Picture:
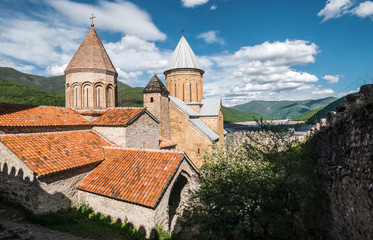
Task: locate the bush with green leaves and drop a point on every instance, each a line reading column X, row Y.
column 259, row 186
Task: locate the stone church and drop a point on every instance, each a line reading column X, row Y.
column 134, row 164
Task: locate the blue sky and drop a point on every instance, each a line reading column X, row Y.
column 249, row 49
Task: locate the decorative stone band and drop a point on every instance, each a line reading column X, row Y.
column 92, row 70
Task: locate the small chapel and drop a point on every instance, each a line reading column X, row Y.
column 132, row 164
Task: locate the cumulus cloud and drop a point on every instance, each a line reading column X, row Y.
column 213, row 7
column 334, row 9
column 264, row 72
column 365, row 9
column 55, row 70
column 134, row 54
column 119, row 16
column 332, row 78
column 211, row 37
column 193, row 3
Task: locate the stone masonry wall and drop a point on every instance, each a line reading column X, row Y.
column 115, row 135
column 143, row 133
column 188, row 138
column 345, row 156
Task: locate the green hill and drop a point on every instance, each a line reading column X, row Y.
column 233, row 115
column 322, row 113
column 283, row 109
column 307, row 115
column 11, row 92
column 127, row 96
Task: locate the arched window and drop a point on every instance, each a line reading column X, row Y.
column 86, row 94
column 151, row 99
column 108, row 97
column 98, row 97
column 76, row 96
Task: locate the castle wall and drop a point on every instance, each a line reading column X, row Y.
column 39, row 195
column 216, row 123
column 143, row 133
column 345, row 157
column 188, row 138
column 185, row 84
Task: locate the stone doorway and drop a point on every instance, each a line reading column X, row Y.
column 179, row 195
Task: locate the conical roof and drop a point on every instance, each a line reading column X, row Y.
column 91, row 55
column 183, row 57
column 155, row 86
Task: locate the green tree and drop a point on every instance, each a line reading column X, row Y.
column 259, row 186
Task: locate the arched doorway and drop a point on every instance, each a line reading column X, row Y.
column 178, row 196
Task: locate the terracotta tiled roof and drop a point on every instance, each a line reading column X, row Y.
column 165, row 143
column 91, row 56
column 155, row 86
column 47, row 153
column 118, row 116
column 20, row 115
column 136, row 176
column 91, row 112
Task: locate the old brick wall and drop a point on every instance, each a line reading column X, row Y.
column 159, row 108
column 345, row 157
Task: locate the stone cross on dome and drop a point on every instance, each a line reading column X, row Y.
column 92, row 25
column 182, row 32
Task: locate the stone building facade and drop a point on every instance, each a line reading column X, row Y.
column 92, row 152
column 186, row 117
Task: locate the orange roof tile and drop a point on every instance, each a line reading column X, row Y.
column 46, row 153
column 165, row 143
column 91, row 55
column 136, row 176
column 20, row 115
column 118, row 116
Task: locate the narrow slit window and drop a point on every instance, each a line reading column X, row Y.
column 76, row 96
column 98, row 97
column 151, row 99
column 87, row 94
column 108, row 97
column 175, row 90
column 190, row 91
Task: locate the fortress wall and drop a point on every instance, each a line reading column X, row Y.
column 345, row 156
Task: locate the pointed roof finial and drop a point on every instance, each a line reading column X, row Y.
column 182, row 32
column 92, row 25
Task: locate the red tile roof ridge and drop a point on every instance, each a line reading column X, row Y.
column 146, row 149
column 39, row 133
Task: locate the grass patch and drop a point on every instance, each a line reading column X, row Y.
column 83, row 222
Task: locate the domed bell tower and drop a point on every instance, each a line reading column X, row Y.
column 184, row 74
column 91, row 79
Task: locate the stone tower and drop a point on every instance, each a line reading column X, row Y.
column 91, row 79
column 184, row 74
column 156, row 101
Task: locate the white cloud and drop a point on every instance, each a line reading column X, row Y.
column 365, row 9
column 332, row 78
column 213, row 7
column 55, row 70
column 119, row 16
column 263, row 72
column 211, row 37
column 334, row 9
column 133, row 54
column 193, row 3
